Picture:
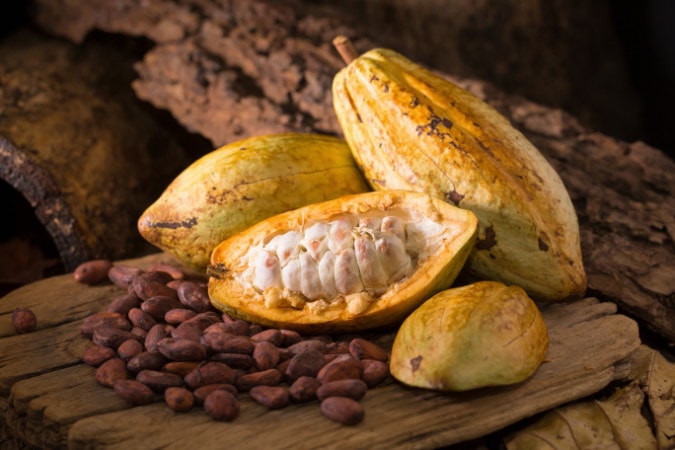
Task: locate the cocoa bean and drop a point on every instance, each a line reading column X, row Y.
column 290, row 337
column 152, row 284
column 234, row 360
column 343, row 410
column 374, row 371
column 304, row 389
column 269, row 377
column 122, row 276
column 133, row 392
column 148, row 360
column 307, row 363
column 140, row 333
column 351, row 388
column 141, row 319
column 123, row 304
column 156, row 334
column 174, row 272
column 111, row 337
column 265, row 355
column 180, row 368
column 110, row 371
column 23, row 320
column 272, row 397
column 129, row 349
column 209, row 373
column 307, row 344
column 220, row 327
column 363, row 349
column 342, row 367
column 158, row 305
column 92, row 272
column 337, row 348
column 240, row 327
column 96, row 355
column 187, row 330
column 181, row 349
column 178, row 315
column 101, row 320
column 205, row 319
column 223, row 343
column 203, row 391
column 194, row 296
column 254, row 328
column 222, row 406
column 274, row 336
column 158, row 381
column 179, row 399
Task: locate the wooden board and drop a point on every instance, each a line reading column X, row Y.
column 49, row 398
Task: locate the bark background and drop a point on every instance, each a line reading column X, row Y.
column 225, row 70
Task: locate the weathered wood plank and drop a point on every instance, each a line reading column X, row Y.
column 51, row 400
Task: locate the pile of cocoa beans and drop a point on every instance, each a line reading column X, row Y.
column 162, row 339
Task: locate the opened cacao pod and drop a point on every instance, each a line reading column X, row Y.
column 411, row 129
column 241, row 183
column 353, row 263
column 478, row 335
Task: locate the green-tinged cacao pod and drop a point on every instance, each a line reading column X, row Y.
column 244, row 182
column 353, row 263
column 478, row 335
column 411, row 129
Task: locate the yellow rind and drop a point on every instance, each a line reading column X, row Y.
column 241, row 183
column 433, row 273
column 411, row 129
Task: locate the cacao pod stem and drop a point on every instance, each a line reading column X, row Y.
column 345, row 48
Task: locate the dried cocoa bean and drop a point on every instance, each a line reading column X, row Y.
column 343, row 410
column 265, row 355
column 92, row 272
column 307, row 363
column 363, row 349
column 111, row 337
column 337, row 348
column 307, row 344
column 180, row 368
column 181, row 349
column 133, row 392
column 205, row 319
column 122, row 276
column 342, row 367
column 274, row 336
column 222, row 405
column 194, row 296
column 140, row 333
column 304, row 389
column 290, row 337
column 152, row 284
column 110, row 371
column 240, row 327
column 179, row 399
column 96, row 355
column 174, row 272
column 123, row 304
column 101, row 320
column 159, row 381
column 23, row 320
column 220, row 327
column 187, row 330
column 351, row 388
column 141, row 319
column 156, row 334
column 203, row 391
column 234, row 360
column 224, row 343
column 210, row 373
column 272, row 397
column 129, row 348
column 158, row 305
column 374, row 371
column 270, row 377
column 178, row 315
column 148, row 360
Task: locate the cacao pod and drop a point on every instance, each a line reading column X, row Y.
column 353, row 263
column 241, row 183
column 411, row 129
column 478, row 335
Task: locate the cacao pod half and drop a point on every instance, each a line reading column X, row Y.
column 241, row 183
column 353, row 263
column 411, row 129
column 478, row 335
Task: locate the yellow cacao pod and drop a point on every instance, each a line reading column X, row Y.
column 241, row 183
column 353, row 263
column 411, row 129
column 478, row 335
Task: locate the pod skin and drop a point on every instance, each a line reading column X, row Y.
column 411, row 129
column 440, row 234
column 474, row 336
column 239, row 184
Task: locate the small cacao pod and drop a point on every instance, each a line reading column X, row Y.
column 409, row 128
column 243, row 182
column 356, row 262
column 478, row 335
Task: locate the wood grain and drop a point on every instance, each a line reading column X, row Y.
column 49, row 399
